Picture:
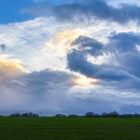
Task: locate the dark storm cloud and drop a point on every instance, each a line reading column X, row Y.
column 99, row 9
column 124, row 46
column 45, row 90
column 77, row 62
column 2, row 48
column 126, row 56
column 86, row 10
column 40, row 82
column 124, row 42
column 83, row 42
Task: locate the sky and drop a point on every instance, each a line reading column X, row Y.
column 70, row 57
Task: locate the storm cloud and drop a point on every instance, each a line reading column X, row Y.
column 81, row 10
column 122, row 65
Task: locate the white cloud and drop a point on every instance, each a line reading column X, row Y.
column 116, row 3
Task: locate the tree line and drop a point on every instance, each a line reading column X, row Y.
column 113, row 114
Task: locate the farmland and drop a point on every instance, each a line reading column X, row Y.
column 80, row 128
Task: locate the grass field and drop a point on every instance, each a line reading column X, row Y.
column 69, row 128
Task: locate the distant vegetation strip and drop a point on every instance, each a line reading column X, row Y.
column 113, row 114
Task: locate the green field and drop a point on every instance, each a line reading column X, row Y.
column 69, row 128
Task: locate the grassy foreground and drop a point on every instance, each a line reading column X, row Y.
column 69, row 128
